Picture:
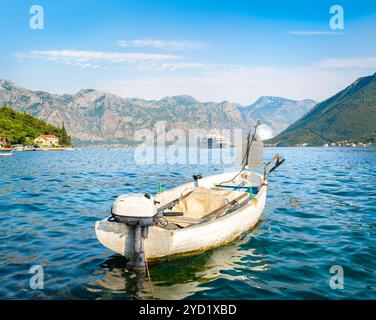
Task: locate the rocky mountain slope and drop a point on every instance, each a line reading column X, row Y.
column 278, row 112
column 95, row 116
column 348, row 115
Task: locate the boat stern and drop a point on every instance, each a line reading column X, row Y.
column 117, row 237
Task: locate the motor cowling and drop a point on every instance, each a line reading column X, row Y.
column 137, row 211
column 133, row 209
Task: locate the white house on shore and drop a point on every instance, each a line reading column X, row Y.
column 48, row 141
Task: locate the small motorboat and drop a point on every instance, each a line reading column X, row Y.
column 189, row 219
column 6, row 152
column 215, row 141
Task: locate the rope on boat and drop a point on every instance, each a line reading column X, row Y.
column 149, row 278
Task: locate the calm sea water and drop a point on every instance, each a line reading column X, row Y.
column 320, row 212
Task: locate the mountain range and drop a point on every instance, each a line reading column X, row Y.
column 92, row 116
column 349, row 115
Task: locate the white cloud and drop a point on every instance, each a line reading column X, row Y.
column 315, row 33
column 98, row 59
column 94, row 58
column 210, row 82
column 171, row 66
column 162, row 44
column 363, row 63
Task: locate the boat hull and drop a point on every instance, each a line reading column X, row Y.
column 163, row 243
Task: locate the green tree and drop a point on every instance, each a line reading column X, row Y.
column 22, row 128
column 65, row 138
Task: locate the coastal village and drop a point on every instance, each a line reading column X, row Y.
column 22, row 132
column 346, row 143
column 47, row 142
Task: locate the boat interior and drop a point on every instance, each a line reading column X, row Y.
column 203, row 204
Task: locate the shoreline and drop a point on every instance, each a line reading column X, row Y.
column 43, row 149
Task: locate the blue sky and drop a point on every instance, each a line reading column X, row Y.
column 212, row 50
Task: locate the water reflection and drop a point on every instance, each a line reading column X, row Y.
column 180, row 278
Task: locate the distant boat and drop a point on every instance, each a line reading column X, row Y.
column 6, row 152
column 18, row 147
column 215, row 141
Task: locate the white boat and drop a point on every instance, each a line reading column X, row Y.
column 193, row 232
column 5, row 152
column 189, row 219
column 18, row 148
column 215, row 141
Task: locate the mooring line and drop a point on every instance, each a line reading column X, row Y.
column 148, row 273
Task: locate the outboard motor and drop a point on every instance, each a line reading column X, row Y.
column 137, row 211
